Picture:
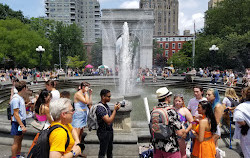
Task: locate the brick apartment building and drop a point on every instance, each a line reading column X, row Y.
column 172, row 44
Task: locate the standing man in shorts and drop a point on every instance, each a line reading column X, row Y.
column 18, row 112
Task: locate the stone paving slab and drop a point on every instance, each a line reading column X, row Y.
column 5, row 151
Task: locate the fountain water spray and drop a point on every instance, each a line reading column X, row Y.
column 127, row 70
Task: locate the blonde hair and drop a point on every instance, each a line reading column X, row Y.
column 230, row 92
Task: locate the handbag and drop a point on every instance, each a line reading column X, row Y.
column 37, row 125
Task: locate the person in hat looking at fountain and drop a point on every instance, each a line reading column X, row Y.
column 168, row 147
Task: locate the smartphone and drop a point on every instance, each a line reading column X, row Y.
column 19, row 128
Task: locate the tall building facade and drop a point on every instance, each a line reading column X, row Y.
column 212, row 3
column 166, row 16
column 85, row 13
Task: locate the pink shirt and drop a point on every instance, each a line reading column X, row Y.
column 41, row 117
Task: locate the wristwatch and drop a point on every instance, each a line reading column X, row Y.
column 74, row 153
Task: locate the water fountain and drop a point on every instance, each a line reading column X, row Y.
column 126, row 62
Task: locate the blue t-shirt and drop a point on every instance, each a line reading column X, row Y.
column 17, row 102
column 100, row 112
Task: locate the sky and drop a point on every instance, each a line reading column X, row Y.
column 190, row 11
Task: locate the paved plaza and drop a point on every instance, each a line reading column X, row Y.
column 5, row 152
column 121, row 149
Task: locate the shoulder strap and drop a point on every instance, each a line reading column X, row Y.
column 230, row 99
column 100, row 104
column 59, row 126
column 233, row 102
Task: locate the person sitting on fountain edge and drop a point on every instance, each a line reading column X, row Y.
column 105, row 128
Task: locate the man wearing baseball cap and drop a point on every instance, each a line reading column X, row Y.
column 168, row 147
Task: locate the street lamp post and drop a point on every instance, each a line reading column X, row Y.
column 213, row 50
column 60, row 56
column 40, row 49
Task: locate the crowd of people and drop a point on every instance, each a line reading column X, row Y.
column 228, row 77
column 198, row 122
column 50, row 108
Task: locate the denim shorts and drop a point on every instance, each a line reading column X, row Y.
column 80, row 119
column 14, row 128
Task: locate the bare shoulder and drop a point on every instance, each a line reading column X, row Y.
column 219, row 107
column 205, row 120
column 185, row 109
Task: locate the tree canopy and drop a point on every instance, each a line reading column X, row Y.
column 228, row 26
column 7, row 13
column 20, row 37
column 18, row 43
column 96, row 53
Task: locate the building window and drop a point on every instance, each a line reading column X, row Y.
column 173, row 39
column 173, row 51
column 173, row 45
column 161, row 45
column 166, row 53
column 166, row 45
column 179, row 45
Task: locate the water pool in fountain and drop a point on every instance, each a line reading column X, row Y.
column 138, row 111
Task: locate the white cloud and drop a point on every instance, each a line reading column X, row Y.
column 188, row 4
column 186, row 22
column 130, row 4
column 191, row 11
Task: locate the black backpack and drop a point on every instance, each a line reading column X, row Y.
column 41, row 147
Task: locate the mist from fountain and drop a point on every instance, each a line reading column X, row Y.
column 127, row 68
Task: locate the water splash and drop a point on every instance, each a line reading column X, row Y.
column 127, row 68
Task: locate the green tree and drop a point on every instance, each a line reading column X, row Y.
column 227, row 26
column 157, row 50
column 75, row 62
column 228, row 17
column 18, row 43
column 43, row 26
column 6, row 12
column 158, row 58
column 96, row 53
column 70, row 38
column 179, row 60
column 187, row 48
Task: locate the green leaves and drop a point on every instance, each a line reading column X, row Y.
column 179, row 60
column 230, row 16
column 70, row 38
column 228, row 27
column 75, row 62
column 96, row 53
column 18, row 43
column 19, row 37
